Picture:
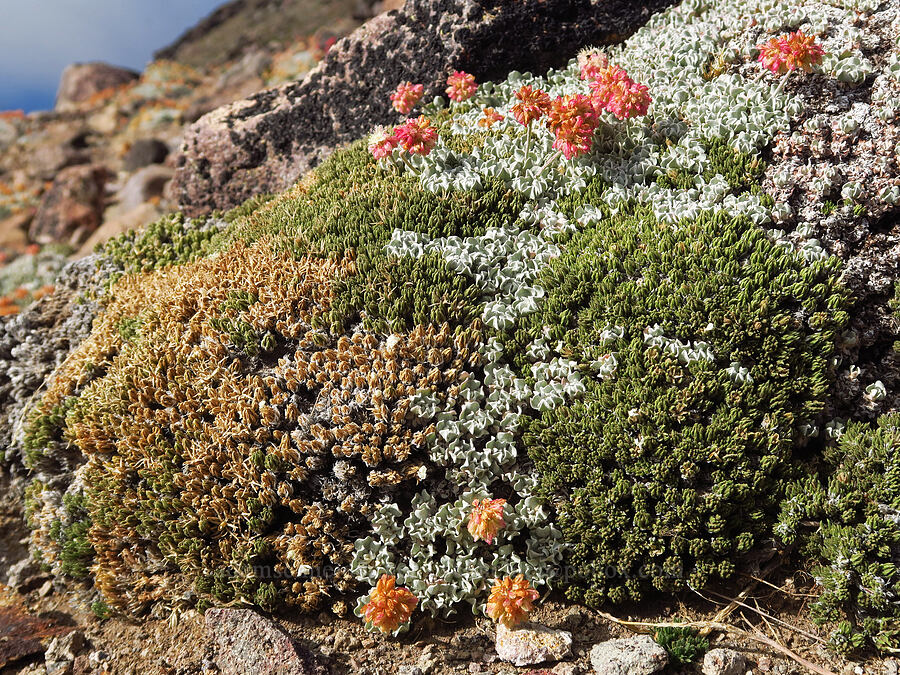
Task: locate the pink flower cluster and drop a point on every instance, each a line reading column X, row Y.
column 406, row 96
column 461, row 86
column 615, row 92
column 531, row 105
column 592, row 63
column 416, row 136
column 573, row 120
column 790, row 52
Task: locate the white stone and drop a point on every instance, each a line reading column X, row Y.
column 638, row 655
column 531, row 644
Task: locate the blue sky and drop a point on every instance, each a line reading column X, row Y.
column 38, row 38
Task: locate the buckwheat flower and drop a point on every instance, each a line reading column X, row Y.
column 511, row 601
column 573, row 120
column 531, row 105
column 406, row 96
column 486, row 519
column 490, row 117
column 461, row 86
column 416, row 135
column 388, row 607
column 628, row 99
column 591, row 63
column 603, row 84
column 382, row 144
column 787, row 53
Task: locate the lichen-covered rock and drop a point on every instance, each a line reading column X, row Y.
column 638, row 655
column 724, row 662
column 247, row 642
column 73, row 206
column 266, row 142
column 81, row 81
column 532, row 644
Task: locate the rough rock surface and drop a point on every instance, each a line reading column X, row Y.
column 247, row 642
column 61, row 653
column 264, row 143
column 72, row 208
column 144, row 152
column 638, row 655
column 532, row 644
column 724, row 662
column 80, row 81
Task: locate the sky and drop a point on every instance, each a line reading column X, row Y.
column 38, row 38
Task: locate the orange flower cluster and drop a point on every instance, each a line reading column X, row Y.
column 389, row 607
column 572, row 120
column 406, row 96
column 491, row 116
column 511, row 601
column 461, row 86
column 532, row 105
column 614, row 91
column 790, row 52
column 486, row 519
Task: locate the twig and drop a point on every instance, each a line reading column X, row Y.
column 763, row 614
column 772, row 630
column 647, row 627
column 779, row 588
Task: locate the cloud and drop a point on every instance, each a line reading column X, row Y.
column 41, row 37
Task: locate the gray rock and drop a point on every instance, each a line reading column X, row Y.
column 144, row 152
column 724, row 662
column 73, row 206
column 23, row 575
column 80, row 81
column 531, row 644
column 146, row 183
column 265, row 142
column 247, row 642
column 638, row 655
column 61, row 652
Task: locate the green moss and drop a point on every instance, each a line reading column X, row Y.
column 44, row 432
column 683, row 645
column 75, row 550
column 846, row 520
column 129, row 328
column 101, row 610
column 666, row 473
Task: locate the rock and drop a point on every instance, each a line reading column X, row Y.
column 81, row 81
column 72, row 208
column 13, row 231
column 724, row 662
column 891, row 667
column 247, row 642
column 531, row 644
column 136, row 218
column 265, row 142
column 144, row 152
column 146, row 184
column 25, row 575
column 59, row 658
column 638, row 655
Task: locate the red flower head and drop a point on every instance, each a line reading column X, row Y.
column 511, row 601
column 532, row 105
column 486, row 519
column 406, row 96
column 572, row 120
column 787, row 53
column 381, row 144
column 416, row 136
column 491, row 116
column 461, row 86
column 592, row 63
column 388, row 607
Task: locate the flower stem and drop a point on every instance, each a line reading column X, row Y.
column 527, row 141
column 555, row 156
column 409, row 164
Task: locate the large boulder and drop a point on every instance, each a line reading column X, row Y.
column 73, row 206
column 81, row 81
column 265, row 142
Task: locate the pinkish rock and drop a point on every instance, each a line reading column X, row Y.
column 531, row 644
column 81, row 81
column 73, row 206
column 267, row 141
column 247, row 642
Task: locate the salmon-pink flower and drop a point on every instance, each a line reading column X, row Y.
column 486, row 519
column 573, row 120
column 532, row 104
column 388, row 607
column 382, row 144
column 787, row 53
column 628, row 99
column 416, row 135
column 491, row 116
column 591, row 63
column 461, row 86
column 511, row 601
column 406, row 96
